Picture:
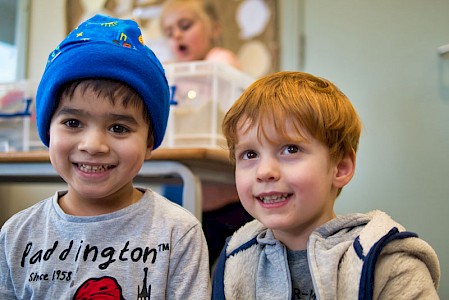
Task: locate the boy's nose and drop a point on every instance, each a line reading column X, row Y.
column 268, row 170
column 93, row 142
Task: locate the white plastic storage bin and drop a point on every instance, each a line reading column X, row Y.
column 17, row 119
column 201, row 94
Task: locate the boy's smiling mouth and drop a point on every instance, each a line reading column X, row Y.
column 94, row 168
column 273, row 198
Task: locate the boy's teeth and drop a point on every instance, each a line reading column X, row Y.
column 274, row 199
column 93, row 169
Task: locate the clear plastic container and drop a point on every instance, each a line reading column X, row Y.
column 201, row 94
column 17, row 121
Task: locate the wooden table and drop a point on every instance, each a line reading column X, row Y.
column 192, row 166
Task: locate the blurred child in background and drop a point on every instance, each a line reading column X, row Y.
column 193, row 31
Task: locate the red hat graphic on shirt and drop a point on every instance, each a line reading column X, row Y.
column 107, row 288
column 103, row 288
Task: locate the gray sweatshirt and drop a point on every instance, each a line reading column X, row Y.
column 153, row 249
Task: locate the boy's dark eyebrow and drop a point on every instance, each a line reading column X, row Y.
column 124, row 118
column 69, row 111
column 114, row 117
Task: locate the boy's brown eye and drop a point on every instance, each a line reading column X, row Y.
column 72, row 123
column 119, row 129
column 292, row 149
column 249, row 154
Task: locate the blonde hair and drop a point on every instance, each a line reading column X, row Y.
column 203, row 9
column 316, row 107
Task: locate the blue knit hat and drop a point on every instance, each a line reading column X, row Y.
column 105, row 47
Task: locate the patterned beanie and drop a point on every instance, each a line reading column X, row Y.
column 110, row 48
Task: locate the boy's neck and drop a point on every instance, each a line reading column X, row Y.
column 73, row 205
column 298, row 240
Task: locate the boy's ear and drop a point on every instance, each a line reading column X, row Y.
column 149, row 151
column 344, row 170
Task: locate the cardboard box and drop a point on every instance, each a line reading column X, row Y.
column 201, row 94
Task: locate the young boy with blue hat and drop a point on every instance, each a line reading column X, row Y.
column 102, row 107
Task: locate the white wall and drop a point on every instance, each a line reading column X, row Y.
column 47, row 29
column 383, row 55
